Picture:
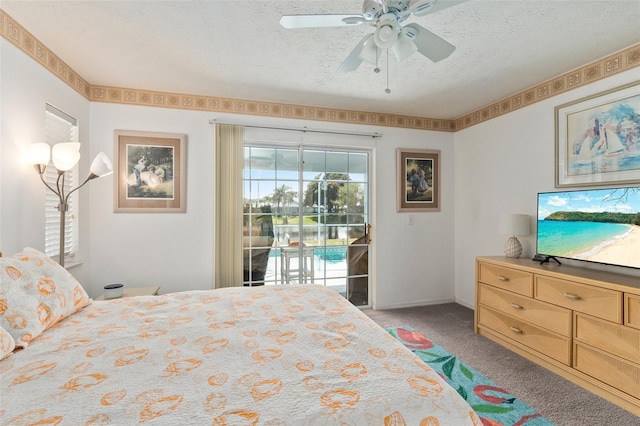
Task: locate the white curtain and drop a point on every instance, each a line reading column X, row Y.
column 229, row 150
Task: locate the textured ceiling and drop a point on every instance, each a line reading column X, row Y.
column 237, row 49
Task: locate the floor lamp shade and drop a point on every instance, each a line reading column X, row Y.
column 512, row 225
column 39, row 153
column 65, row 155
column 101, row 165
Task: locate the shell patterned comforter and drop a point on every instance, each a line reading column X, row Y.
column 282, row 355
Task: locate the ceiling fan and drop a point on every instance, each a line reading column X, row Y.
column 386, row 16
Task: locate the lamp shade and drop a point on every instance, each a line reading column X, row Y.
column 514, row 224
column 65, row 155
column 369, row 52
column 39, row 153
column 404, row 47
column 387, row 33
column 101, row 165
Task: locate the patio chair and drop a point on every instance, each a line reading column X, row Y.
column 261, row 237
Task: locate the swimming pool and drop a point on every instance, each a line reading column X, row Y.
column 329, row 254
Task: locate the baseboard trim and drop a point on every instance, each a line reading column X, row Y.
column 412, row 304
column 465, row 304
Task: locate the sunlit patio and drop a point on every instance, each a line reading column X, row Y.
column 315, row 269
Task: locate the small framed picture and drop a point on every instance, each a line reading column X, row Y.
column 598, row 139
column 418, row 180
column 150, row 172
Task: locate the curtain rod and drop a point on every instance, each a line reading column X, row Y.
column 303, row 129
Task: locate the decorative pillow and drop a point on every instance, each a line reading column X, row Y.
column 35, row 293
column 7, row 344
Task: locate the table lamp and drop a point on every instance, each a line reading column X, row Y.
column 514, row 224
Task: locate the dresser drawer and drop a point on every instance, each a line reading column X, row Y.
column 507, row 278
column 632, row 310
column 539, row 339
column 538, row 313
column 614, row 371
column 599, row 302
column 609, row 337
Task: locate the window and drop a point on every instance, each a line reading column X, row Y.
column 60, row 127
column 305, row 214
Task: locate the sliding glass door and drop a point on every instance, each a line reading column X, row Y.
column 305, row 218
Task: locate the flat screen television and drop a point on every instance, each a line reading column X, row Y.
column 596, row 225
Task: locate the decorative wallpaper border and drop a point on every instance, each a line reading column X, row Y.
column 12, row 31
column 613, row 64
column 25, row 41
column 240, row 106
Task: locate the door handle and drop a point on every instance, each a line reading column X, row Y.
column 367, row 233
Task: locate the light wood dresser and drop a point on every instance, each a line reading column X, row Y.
column 579, row 323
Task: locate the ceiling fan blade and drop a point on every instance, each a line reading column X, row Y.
column 427, row 7
column 429, row 44
column 353, row 61
column 316, row 21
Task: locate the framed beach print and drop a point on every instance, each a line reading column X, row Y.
column 598, row 139
column 150, row 172
column 418, row 180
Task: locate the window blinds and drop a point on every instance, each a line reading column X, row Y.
column 60, row 127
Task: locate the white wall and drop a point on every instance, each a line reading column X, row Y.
column 26, row 88
column 172, row 250
column 500, row 166
column 489, row 168
column 414, row 263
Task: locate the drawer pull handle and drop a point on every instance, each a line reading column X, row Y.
column 503, row 278
column 516, row 306
column 571, row 296
column 516, row 330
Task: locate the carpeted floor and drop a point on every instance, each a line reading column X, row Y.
column 451, row 326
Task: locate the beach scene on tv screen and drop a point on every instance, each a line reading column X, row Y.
column 595, row 225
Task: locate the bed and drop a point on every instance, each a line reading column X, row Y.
column 269, row 355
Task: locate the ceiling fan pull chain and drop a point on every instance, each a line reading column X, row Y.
column 387, row 90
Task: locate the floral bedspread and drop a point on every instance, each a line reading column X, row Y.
column 282, row 355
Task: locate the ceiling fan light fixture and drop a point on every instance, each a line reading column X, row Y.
column 386, row 34
column 369, row 52
column 421, row 7
column 404, row 47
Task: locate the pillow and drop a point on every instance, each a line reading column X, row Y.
column 7, row 344
column 35, row 293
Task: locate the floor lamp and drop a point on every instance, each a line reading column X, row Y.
column 65, row 156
